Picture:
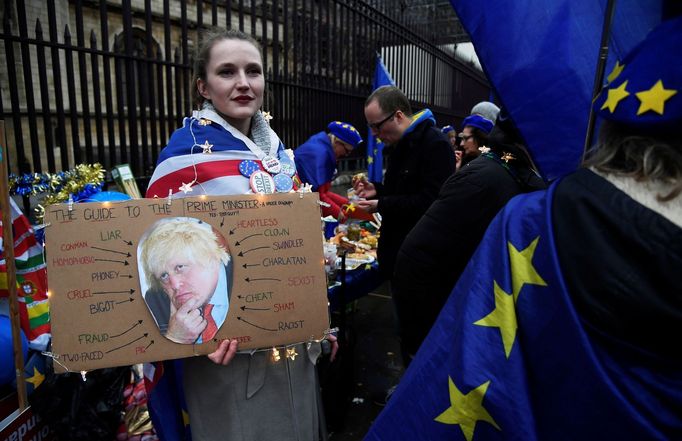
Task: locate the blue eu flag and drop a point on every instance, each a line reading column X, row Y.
column 541, row 56
column 510, row 359
column 374, row 145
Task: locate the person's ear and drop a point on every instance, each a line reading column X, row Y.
column 202, row 87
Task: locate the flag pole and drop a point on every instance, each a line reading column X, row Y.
column 599, row 74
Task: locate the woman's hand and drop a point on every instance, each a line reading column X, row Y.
column 335, row 346
column 225, row 352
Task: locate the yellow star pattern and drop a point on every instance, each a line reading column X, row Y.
column 503, row 317
column 291, row 353
column 654, row 98
column 617, row 69
column 370, row 160
column 466, row 409
column 36, row 379
column 522, row 269
column 615, row 96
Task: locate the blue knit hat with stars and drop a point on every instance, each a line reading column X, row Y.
column 644, row 91
column 345, row 132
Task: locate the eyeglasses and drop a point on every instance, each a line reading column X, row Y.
column 465, row 138
column 377, row 126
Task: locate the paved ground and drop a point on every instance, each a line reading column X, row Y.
column 371, row 353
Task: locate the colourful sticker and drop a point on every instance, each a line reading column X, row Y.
column 272, row 164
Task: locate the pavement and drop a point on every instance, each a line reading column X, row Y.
column 369, row 363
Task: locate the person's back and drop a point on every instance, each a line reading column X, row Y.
column 436, row 251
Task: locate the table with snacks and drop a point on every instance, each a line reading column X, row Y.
column 357, row 274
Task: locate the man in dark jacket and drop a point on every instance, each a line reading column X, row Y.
column 419, row 161
column 436, row 251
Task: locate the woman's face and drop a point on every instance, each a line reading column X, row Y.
column 234, row 81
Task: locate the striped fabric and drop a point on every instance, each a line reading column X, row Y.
column 186, row 158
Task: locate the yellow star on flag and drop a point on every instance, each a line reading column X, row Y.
column 522, row 269
column 654, row 98
column 370, row 160
column 615, row 96
column 503, row 317
column 466, row 409
column 36, row 379
column 617, row 69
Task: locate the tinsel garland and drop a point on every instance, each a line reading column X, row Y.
column 79, row 183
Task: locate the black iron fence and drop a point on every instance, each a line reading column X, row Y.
column 114, row 92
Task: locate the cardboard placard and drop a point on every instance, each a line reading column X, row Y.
column 104, row 285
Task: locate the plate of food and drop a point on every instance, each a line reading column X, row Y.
column 355, row 260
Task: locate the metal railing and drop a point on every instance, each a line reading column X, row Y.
column 115, row 92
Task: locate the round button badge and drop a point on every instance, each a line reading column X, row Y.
column 272, row 164
column 262, row 182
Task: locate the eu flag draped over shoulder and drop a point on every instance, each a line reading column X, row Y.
column 375, row 147
column 494, row 366
column 541, row 57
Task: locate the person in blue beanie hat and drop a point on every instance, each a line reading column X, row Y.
column 474, row 135
column 316, row 164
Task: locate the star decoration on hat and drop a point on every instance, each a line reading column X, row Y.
column 466, row 409
column 615, row 96
column 186, row 188
column 617, row 69
column 654, row 99
column 267, row 117
column 206, row 147
column 291, row 353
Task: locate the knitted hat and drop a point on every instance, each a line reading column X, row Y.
column 478, row 122
column 447, row 129
column 345, row 132
column 486, row 109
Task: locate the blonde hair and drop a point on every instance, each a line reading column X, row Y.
column 185, row 237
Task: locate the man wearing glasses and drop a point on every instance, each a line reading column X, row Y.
column 419, row 161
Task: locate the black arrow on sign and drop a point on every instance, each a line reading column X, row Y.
column 150, row 343
column 126, row 301
column 126, row 275
column 117, row 261
column 250, row 235
column 243, row 308
column 241, row 253
column 129, row 291
column 259, row 327
column 111, row 251
column 139, row 322
column 232, row 231
column 246, row 265
column 248, row 279
column 127, row 344
column 222, row 222
column 128, row 242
